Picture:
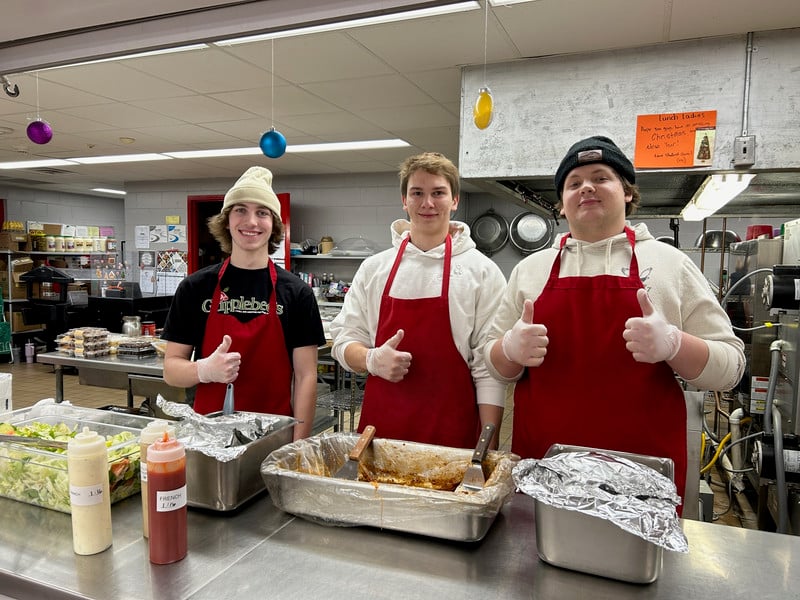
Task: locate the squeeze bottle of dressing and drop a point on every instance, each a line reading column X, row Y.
column 166, row 500
column 90, row 501
column 153, row 432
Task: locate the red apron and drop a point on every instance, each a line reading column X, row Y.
column 435, row 402
column 264, row 383
column 589, row 391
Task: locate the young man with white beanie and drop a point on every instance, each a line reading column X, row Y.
column 246, row 320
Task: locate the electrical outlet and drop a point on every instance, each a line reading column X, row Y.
column 744, row 151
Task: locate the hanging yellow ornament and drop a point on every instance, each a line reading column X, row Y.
column 482, row 111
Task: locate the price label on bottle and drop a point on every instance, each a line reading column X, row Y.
column 86, row 495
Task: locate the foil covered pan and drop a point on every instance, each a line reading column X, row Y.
column 584, row 502
column 403, row 486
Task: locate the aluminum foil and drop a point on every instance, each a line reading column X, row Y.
column 222, row 437
column 632, row 496
column 300, row 480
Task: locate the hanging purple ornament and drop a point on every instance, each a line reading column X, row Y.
column 272, row 143
column 39, row 131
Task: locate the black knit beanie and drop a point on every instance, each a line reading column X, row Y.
column 596, row 149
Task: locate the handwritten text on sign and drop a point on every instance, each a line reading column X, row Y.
column 672, row 140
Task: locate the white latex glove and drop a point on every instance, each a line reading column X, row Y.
column 387, row 362
column 220, row 366
column 650, row 338
column 526, row 342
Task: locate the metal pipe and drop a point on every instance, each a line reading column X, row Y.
column 746, row 95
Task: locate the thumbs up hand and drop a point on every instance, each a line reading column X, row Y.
column 650, row 338
column 220, row 366
column 526, row 342
column 387, row 361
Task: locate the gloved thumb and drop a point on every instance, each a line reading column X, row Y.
column 527, row 312
column 225, row 345
column 644, row 302
column 394, row 341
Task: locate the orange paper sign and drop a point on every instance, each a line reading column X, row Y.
column 673, row 140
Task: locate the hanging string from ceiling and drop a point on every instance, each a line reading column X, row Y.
column 272, row 143
column 483, row 111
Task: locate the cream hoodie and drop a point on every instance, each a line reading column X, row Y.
column 677, row 288
column 476, row 285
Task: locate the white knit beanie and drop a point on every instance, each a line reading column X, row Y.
column 255, row 185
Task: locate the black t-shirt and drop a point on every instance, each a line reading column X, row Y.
column 248, row 291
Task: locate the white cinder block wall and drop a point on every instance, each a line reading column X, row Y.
column 341, row 206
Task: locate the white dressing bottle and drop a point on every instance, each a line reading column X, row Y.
column 90, row 501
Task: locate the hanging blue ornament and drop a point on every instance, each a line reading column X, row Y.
column 272, row 143
column 39, row 132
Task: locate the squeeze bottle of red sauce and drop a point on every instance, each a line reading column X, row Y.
column 166, row 500
column 152, row 433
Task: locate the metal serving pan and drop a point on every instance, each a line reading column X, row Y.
column 298, row 477
column 489, row 232
column 581, row 542
column 224, row 486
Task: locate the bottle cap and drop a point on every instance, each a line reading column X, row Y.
column 154, row 431
column 86, row 442
column 165, row 449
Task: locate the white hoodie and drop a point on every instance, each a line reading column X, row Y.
column 677, row 288
column 476, row 285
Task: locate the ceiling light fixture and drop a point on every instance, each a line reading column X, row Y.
column 716, row 192
column 109, row 191
column 119, row 158
column 34, row 164
column 136, row 55
column 390, row 18
column 218, row 153
column 507, row 2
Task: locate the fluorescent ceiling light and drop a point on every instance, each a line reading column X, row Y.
column 390, row 18
column 716, row 192
column 33, row 164
column 127, row 56
column 338, row 146
column 506, row 2
column 109, row 191
column 119, row 158
column 214, row 153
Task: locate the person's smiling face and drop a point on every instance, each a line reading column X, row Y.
column 429, row 202
column 594, row 202
column 250, row 225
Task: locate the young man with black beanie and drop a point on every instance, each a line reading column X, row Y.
column 594, row 329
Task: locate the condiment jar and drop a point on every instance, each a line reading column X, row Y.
column 166, row 501
column 89, row 497
column 132, row 325
column 152, row 433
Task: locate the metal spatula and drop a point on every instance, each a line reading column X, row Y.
column 227, row 405
column 350, row 468
column 473, row 477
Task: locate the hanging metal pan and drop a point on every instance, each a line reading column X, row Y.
column 531, row 233
column 489, row 232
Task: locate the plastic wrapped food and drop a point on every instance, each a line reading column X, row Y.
column 403, row 486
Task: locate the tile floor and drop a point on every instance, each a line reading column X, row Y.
column 32, row 382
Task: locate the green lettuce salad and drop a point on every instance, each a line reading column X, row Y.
column 39, row 476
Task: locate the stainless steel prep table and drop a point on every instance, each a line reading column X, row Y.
column 261, row 552
column 110, row 371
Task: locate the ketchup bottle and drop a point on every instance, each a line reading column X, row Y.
column 152, row 433
column 166, row 500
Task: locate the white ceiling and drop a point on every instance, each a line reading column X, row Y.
column 398, row 80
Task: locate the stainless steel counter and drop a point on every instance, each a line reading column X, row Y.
column 261, row 552
column 110, row 371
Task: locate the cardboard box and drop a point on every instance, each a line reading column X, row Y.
column 15, row 291
column 21, row 265
column 52, row 228
column 18, row 325
column 14, row 241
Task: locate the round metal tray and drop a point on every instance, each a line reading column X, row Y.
column 489, row 232
column 530, row 232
